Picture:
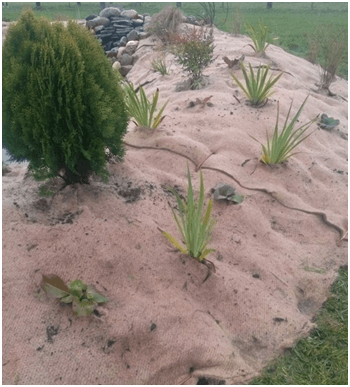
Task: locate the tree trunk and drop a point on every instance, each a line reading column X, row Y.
column 269, row 5
column 78, row 4
column 37, row 6
column 179, row 5
column 103, row 6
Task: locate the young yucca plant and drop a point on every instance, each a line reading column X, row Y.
column 195, row 228
column 141, row 108
column 279, row 148
column 257, row 89
column 259, row 36
column 159, row 66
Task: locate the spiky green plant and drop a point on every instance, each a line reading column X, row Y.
column 159, row 66
column 257, row 89
column 194, row 228
column 141, row 108
column 259, row 35
column 279, row 148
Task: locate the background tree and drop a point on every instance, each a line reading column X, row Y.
column 62, row 103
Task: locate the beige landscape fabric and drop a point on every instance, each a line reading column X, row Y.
column 277, row 253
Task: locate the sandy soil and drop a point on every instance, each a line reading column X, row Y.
column 276, row 255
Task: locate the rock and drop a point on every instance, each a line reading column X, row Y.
column 132, row 35
column 147, row 19
column 144, row 35
column 125, row 69
column 123, row 41
column 135, row 58
column 111, row 54
column 131, row 47
column 137, row 23
column 98, row 28
column 116, row 65
column 120, row 52
column 125, row 60
column 98, row 21
column 131, row 14
column 109, row 12
column 90, row 17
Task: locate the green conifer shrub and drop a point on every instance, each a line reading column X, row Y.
column 62, row 103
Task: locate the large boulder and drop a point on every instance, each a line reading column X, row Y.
column 90, row 17
column 109, row 12
column 98, row 21
column 130, row 13
column 125, row 69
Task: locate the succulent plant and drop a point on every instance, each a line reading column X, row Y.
column 328, row 123
column 226, row 192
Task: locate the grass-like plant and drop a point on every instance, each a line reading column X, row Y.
column 194, row 228
column 259, row 35
column 159, row 66
column 258, row 88
column 84, row 298
column 141, row 109
column 279, row 148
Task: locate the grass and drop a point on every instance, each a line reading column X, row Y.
column 290, row 22
column 321, row 358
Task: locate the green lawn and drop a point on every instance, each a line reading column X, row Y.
column 290, row 22
column 321, row 358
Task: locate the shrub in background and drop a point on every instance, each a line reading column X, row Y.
column 165, row 23
column 257, row 89
column 237, row 20
column 329, row 44
column 194, row 52
column 62, row 103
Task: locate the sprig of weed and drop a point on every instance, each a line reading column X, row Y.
column 142, row 109
column 194, row 228
column 257, row 87
column 159, row 66
column 280, row 146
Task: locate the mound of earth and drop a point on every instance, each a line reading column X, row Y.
column 276, row 255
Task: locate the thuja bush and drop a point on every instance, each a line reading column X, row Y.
column 194, row 52
column 62, row 103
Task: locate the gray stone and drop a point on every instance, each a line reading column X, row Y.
column 111, row 54
column 90, row 17
column 120, row 52
column 125, row 60
column 122, row 23
column 125, row 69
column 116, row 65
column 123, row 41
column 132, row 35
column 147, row 18
column 144, row 35
column 131, row 14
column 98, row 28
column 98, row 21
column 109, row 12
column 137, row 22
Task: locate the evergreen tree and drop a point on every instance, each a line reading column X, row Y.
column 62, row 103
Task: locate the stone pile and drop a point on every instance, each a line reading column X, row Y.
column 119, row 33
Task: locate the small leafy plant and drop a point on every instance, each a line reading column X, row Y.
column 142, row 109
column 194, row 52
column 159, row 66
column 259, row 35
column 194, row 228
column 84, row 298
column 280, row 146
column 257, row 89
column 328, row 123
